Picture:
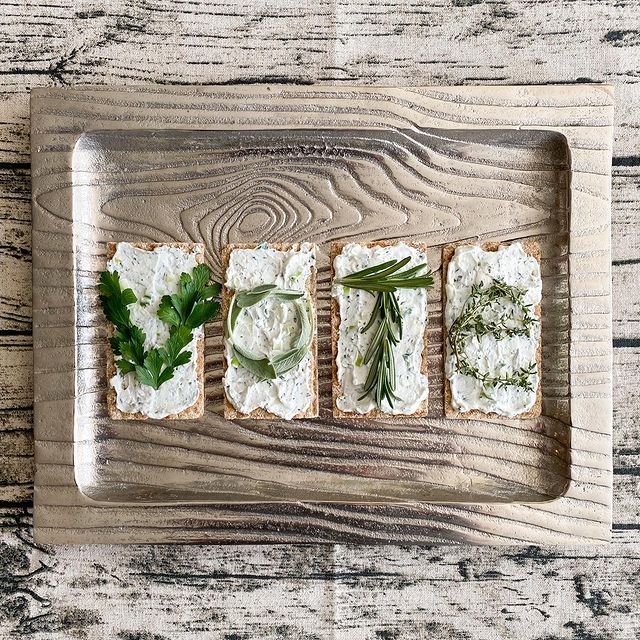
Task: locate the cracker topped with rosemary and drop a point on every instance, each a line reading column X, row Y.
column 379, row 311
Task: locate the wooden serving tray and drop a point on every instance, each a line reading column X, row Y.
column 322, row 164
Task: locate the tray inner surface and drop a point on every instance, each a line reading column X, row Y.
column 220, row 187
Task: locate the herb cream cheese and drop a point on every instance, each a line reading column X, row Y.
column 469, row 266
column 151, row 275
column 268, row 328
column 355, row 306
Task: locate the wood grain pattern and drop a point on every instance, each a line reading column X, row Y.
column 359, row 593
column 440, row 175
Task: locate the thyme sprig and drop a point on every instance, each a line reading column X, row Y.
column 383, row 281
column 515, row 319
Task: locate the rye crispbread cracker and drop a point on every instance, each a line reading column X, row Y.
column 196, row 410
column 422, row 410
column 230, row 412
column 531, row 248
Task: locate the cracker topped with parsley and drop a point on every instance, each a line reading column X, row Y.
column 157, row 297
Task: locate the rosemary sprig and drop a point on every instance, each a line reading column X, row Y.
column 383, row 280
column 385, row 277
column 515, row 320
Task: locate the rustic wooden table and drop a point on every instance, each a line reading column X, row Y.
column 309, row 592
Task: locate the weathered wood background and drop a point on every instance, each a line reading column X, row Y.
column 381, row 593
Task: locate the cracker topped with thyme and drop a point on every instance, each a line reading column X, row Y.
column 492, row 330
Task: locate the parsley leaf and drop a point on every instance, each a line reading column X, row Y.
column 160, row 363
column 114, row 300
column 193, row 304
column 125, row 366
column 179, row 338
column 133, row 349
column 212, row 291
column 127, row 340
column 201, row 312
column 151, row 370
column 168, row 313
column 200, row 277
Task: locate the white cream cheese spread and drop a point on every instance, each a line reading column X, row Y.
column 151, row 275
column 355, row 306
column 268, row 328
column 469, row 266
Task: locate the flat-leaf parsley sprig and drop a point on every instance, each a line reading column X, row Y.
column 195, row 302
column 383, row 280
column 516, row 320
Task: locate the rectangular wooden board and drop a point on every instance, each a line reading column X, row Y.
column 322, row 164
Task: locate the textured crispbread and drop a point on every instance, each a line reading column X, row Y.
column 196, row 410
column 532, row 249
column 230, row 412
column 336, row 249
